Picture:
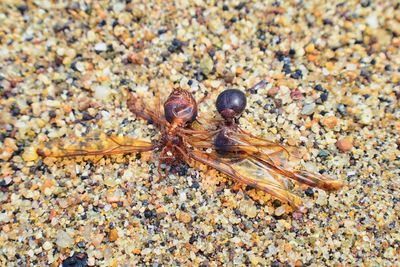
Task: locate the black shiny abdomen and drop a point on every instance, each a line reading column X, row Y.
column 231, row 103
column 223, row 144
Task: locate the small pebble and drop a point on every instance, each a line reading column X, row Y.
column 342, row 109
column 345, row 144
column 322, row 198
column 329, row 122
column 76, row 260
column 309, row 192
column 273, row 91
column 206, row 64
column 150, row 214
column 64, row 240
column 184, row 217
column 251, row 211
column 279, row 211
column 102, row 92
column 100, row 47
column 113, row 235
column 323, row 153
column 308, row 109
column 296, row 94
column 324, row 96
column 30, row 154
column 47, row 245
column 297, row 74
column 310, row 48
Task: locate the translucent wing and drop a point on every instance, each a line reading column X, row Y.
column 250, row 172
column 96, row 144
column 276, row 158
column 137, row 107
column 301, row 176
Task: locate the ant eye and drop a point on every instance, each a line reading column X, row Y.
column 231, row 103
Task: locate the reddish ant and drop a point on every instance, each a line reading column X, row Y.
column 254, row 161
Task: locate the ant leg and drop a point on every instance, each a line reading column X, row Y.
column 158, row 104
column 183, row 152
column 160, row 159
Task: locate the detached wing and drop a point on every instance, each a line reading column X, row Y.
column 301, row 176
column 250, row 172
column 96, row 144
column 279, row 160
column 276, row 158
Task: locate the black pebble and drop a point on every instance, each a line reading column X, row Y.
column 286, row 69
column 52, row 114
column 280, row 55
column 162, row 31
column 86, row 116
column 309, row 192
column 276, row 203
column 176, row 46
column 76, row 260
column 15, row 111
column 323, row 153
column 148, row 214
column 183, row 170
column 22, row 8
column 192, row 239
column 102, row 23
column 237, row 212
column 240, row 6
column 297, row 74
column 81, row 244
column 319, row 87
column 324, row 96
column 124, row 81
column 199, row 76
column 327, row 22
column 365, row 3
column 195, row 185
column 3, row 183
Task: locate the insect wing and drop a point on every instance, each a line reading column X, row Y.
column 96, row 144
column 249, row 172
column 279, row 160
column 137, row 107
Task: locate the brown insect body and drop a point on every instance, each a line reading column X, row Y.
column 248, row 159
column 180, row 110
